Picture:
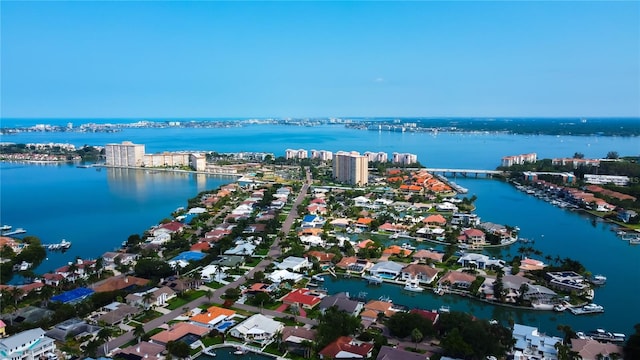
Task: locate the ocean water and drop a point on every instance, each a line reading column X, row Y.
column 97, row 210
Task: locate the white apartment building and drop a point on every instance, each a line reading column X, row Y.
column 405, row 158
column 27, row 345
column 126, row 154
column 323, row 155
column 519, row 159
column 379, row 156
column 606, row 179
column 296, row 154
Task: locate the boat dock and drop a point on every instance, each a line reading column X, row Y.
column 587, row 309
column 63, row 245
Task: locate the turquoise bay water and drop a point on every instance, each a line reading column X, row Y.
column 97, row 210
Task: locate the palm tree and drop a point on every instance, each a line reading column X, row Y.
column 16, row 294
column 147, row 298
column 209, row 295
column 104, row 334
column 138, row 332
column 308, row 347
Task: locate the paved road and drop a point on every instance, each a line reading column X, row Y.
column 274, row 252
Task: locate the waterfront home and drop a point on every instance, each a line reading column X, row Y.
column 120, row 282
column 455, row 280
column 529, row 343
column 160, row 236
column 386, row 269
column 363, row 223
column 567, row 281
column 294, row 337
column 257, row 328
column 479, row 261
column 589, row 349
column 72, row 328
column 396, row 250
column 323, row 258
column 159, row 297
column 392, row 353
column 394, row 228
column 13, row 244
column 212, row 317
column 80, row 269
column 28, row 344
column 342, row 302
column 301, row 297
column 312, row 240
column 432, row 316
column 52, row 279
column 436, row 219
column 178, row 331
column 293, row 263
column 117, row 313
column 380, row 307
column 142, row 350
column 346, row 347
column 173, row 227
column 528, row 264
column 539, row 294
column 340, row 223
column 423, row 256
column 475, row 238
column 626, row 215
column 464, row 219
column 423, row 273
column 446, row 207
column 365, row 244
column 284, row 275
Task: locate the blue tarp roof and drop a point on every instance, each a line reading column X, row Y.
column 73, row 295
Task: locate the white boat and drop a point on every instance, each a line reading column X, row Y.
column 373, row 279
column 317, row 278
column 444, row 309
column 603, row 335
column 209, row 352
column 413, row 286
column 598, row 279
column 5, row 227
column 559, row 308
column 239, row 351
column 587, row 309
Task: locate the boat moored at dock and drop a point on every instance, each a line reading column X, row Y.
column 587, row 309
column 412, row 285
column 603, row 335
column 17, row 231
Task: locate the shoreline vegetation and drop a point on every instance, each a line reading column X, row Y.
column 573, row 126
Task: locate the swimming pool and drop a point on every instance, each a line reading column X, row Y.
column 224, row 325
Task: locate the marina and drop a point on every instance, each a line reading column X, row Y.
column 17, row 231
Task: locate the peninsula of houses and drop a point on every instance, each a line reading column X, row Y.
column 242, row 268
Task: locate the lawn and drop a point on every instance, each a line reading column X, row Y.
column 208, row 341
column 214, row 285
column 187, row 297
column 261, row 252
column 147, row 316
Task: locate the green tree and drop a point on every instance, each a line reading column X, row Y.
column 179, row 349
column 632, row 347
column 138, row 331
column 333, row 324
column 454, row 345
column 232, row 293
column 613, row 155
column 416, row 336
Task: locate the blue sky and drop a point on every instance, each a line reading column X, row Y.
column 297, row 59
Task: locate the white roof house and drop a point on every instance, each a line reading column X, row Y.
column 257, row 328
column 242, row 249
column 313, row 240
column 388, row 268
column 531, row 342
column 282, row 275
column 479, row 261
column 29, row 344
column 211, row 272
column 294, row 263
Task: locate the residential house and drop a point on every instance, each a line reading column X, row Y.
column 346, row 347
column 528, row 264
column 436, row 219
column 479, row 261
column 72, row 328
column 142, row 350
column 380, row 307
column 464, row 219
column 28, row 345
column 228, row 261
column 178, row 331
column 212, row 317
column 427, row 255
column 362, row 201
column 446, row 207
column 296, row 264
column 530, row 343
column 323, row 258
column 301, row 297
column 284, row 275
column 568, row 281
column 212, row 273
column 257, row 328
column 294, row 339
column 312, row 221
column 363, row 223
column 432, row 316
column 158, row 297
column 342, row 302
column 242, row 248
column 116, row 313
column 386, row 269
column 589, row 349
column 423, row 273
column 475, row 238
column 455, row 280
column 396, row 250
column 119, row 282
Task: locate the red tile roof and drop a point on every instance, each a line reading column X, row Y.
column 301, row 296
column 344, row 344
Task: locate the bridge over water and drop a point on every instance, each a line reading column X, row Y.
column 465, row 172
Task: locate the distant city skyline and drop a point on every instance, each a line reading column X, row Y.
column 319, row 59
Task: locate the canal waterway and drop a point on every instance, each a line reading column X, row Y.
column 97, row 210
